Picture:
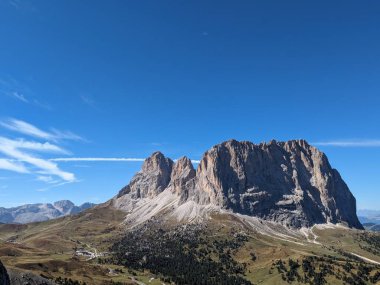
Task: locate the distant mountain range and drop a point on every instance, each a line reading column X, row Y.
column 369, row 216
column 370, row 219
column 40, row 212
column 372, row 227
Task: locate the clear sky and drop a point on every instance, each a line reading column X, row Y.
column 121, row 79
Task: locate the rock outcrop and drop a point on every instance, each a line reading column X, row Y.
column 182, row 178
column 287, row 182
column 28, row 278
column 4, row 277
column 21, row 278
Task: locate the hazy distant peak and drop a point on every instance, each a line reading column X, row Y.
column 40, row 211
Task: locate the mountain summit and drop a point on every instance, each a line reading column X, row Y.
column 291, row 183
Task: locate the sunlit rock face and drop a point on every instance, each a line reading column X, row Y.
column 289, row 182
column 153, row 178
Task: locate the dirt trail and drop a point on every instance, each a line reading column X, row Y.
column 366, row 259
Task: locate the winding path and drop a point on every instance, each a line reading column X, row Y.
column 366, row 259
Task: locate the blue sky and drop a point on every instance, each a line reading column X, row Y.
column 121, row 79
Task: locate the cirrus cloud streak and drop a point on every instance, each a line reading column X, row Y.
column 26, row 156
column 349, row 143
column 13, row 149
column 89, row 159
column 105, row 159
column 31, row 130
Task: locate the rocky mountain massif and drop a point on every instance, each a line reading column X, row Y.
column 40, row 212
column 291, row 183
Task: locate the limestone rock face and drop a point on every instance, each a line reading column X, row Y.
column 153, row 178
column 287, row 182
column 183, row 172
column 182, row 178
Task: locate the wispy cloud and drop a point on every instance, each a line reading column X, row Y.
column 105, row 159
column 46, row 179
column 42, row 105
column 349, row 143
column 31, row 130
column 95, row 159
column 12, row 166
column 12, row 149
column 19, row 91
column 31, row 145
column 19, row 96
column 20, row 5
column 88, row 100
column 54, row 186
column 25, row 128
column 24, row 156
column 66, row 135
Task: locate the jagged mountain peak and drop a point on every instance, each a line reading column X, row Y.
column 64, row 205
column 153, row 178
column 182, row 167
column 296, row 143
column 183, row 172
column 184, row 161
column 157, row 162
column 63, row 202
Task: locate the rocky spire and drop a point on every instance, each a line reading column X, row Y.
column 153, row 178
column 182, row 177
